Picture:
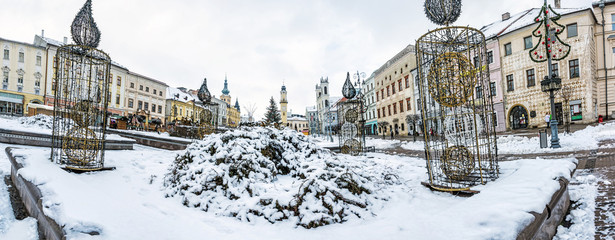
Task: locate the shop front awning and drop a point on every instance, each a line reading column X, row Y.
column 9, row 97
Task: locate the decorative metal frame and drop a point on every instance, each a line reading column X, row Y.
column 204, row 122
column 81, row 98
column 457, row 113
column 350, row 118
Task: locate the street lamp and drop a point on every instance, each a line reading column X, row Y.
column 549, row 47
column 606, row 92
column 552, row 84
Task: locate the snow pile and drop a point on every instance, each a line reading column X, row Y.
column 40, row 120
column 583, row 192
column 274, row 174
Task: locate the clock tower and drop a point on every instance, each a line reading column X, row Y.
column 283, row 105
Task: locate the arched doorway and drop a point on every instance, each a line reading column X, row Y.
column 518, row 117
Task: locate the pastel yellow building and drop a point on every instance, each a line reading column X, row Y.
column 22, row 72
column 394, row 91
column 233, row 115
column 179, row 105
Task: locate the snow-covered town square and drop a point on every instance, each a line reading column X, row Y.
column 430, row 119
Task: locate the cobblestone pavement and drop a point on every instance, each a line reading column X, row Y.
column 602, row 162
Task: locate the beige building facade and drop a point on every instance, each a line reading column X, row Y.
column 145, row 96
column 525, row 104
column 22, row 72
column 394, row 91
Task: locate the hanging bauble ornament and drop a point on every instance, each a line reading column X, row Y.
column 442, row 12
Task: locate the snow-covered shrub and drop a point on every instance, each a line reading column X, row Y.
column 274, row 174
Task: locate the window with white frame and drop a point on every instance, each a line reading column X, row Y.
column 21, row 56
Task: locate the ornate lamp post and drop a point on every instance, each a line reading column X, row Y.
column 552, row 84
column 549, row 47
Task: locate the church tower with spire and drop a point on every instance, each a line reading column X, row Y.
column 225, row 93
column 283, row 105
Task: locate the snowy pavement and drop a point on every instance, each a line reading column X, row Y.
column 128, row 203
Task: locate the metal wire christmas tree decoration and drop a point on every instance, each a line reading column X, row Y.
column 549, row 44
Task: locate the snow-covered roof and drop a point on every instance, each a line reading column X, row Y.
column 297, row 119
column 521, row 20
column 182, row 96
column 52, row 41
column 311, row 108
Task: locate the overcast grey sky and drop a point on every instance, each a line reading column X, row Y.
column 258, row 44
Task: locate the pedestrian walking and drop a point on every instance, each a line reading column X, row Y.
column 548, row 120
column 391, row 134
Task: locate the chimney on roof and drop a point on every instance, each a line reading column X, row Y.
column 43, row 33
column 65, row 40
column 558, row 3
column 505, row 16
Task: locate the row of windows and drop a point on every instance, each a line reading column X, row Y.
column 5, row 82
column 132, row 85
column 400, row 88
column 573, row 66
column 384, row 111
column 401, row 71
column 141, row 105
column 22, row 57
column 571, row 30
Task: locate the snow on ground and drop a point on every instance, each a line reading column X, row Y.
column 41, row 124
column 10, row 228
column 583, row 190
column 414, row 145
column 584, row 139
column 129, row 202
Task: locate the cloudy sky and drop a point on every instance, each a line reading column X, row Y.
column 258, row 44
